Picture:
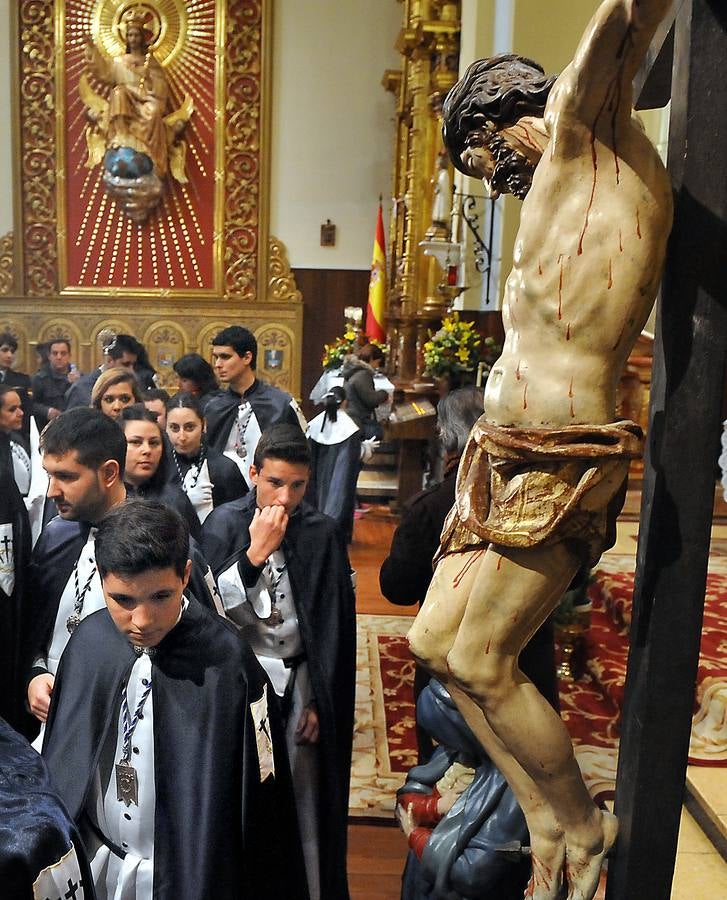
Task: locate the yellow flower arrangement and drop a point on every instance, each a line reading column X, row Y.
column 456, row 348
column 335, row 353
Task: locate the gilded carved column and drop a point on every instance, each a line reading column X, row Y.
column 429, row 45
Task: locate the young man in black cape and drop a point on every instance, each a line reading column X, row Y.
column 162, row 739
column 84, row 453
column 284, row 577
column 237, row 417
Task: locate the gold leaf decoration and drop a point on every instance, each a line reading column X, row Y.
column 281, row 280
column 37, row 126
column 7, row 267
column 242, row 147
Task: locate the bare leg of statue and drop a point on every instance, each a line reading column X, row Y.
column 481, row 609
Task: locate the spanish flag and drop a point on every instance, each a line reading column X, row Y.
column 377, row 285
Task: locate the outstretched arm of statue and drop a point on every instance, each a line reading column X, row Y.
column 97, row 62
column 609, row 55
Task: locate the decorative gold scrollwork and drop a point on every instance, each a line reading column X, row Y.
column 37, row 88
column 7, row 269
column 281, row 281
column 242, row 148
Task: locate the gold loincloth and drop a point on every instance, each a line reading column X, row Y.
column 529, row 487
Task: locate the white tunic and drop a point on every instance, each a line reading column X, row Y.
column 93, row 600
column 21, row 467
column 247, row 607
column 247, row 427
column 130, row 828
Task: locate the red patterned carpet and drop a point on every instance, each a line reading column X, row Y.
column 607, row 648
column 590, row 707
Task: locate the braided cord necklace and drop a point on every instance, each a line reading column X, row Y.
column 199, row 462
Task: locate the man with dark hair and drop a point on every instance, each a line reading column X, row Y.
column 18, row 380
column 543, row 475
column 51, row 382
column 161, row 739
column 237, row 417
column 155, row 400
column 84, row 452
column 121, row 352
column 284, row 578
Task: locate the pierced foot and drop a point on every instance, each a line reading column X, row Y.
column 583, row 869
column 546, row 882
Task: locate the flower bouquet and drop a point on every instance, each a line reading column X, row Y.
column 350, row 342
column 452, row 350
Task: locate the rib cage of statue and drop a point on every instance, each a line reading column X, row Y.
column 588, row 254
column 541, row 481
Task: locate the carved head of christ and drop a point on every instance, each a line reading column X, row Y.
column 488, row 122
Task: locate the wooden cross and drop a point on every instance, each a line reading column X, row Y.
column 683, row 440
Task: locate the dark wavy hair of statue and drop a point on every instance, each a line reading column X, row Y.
column 500, row 89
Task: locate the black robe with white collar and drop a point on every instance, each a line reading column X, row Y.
column 219, row 831
column 270, row 405
column 320, row 576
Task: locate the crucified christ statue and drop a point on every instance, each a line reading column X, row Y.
column 544, row 474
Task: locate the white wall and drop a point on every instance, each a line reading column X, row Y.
column 332, row 126
column 6, row 149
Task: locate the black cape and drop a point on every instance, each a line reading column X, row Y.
column 270, row 405
column 334, row 473
column 36, row 831
column 320, row 576
column 12, row 512
column 54, row 556
column 169, row 494
column 218, row 831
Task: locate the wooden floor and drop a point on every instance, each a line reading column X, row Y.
column 376, row 853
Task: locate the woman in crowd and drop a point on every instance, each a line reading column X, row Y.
column 207, row 477
column 114, row 390
column 148, row 469
column 11, row 421
column 362, row 396
column 196, row 376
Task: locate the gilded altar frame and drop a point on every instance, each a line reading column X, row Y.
column 252, row 283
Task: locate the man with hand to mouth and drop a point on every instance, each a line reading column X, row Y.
column 160, row 740
column 284, row 577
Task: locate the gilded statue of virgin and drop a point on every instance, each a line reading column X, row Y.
column 133, row 134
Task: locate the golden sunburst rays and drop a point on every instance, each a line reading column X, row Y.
column 174, row 248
